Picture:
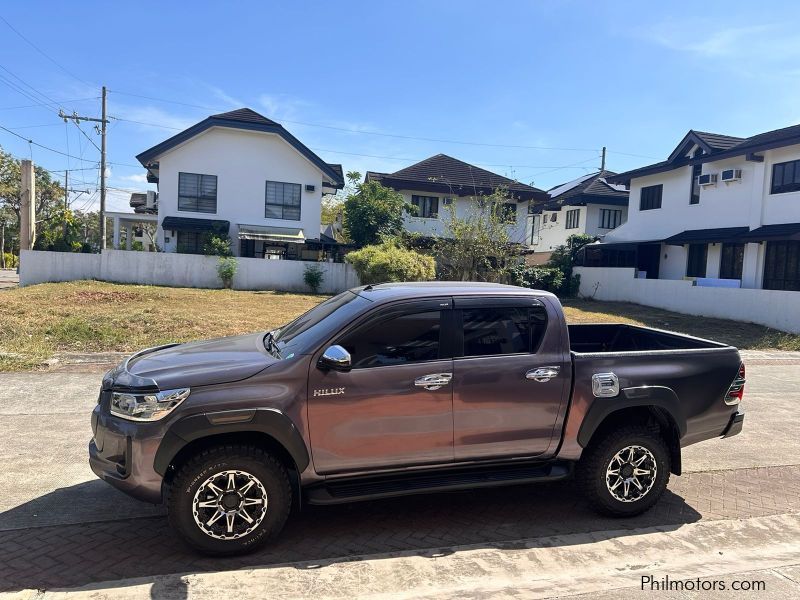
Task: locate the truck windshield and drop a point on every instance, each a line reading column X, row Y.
column 309, row 329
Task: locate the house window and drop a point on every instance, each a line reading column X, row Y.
column 553, row 217
column 650, row 197
column 191, row 242
column 573, row 218
column 197, row 193
column 427, row 206
column 508, row 212
column 535, row 229
column 610, row 218
column 694, row 198
column 785, row 177
column 731, row 261
column 282, row 201
column 782, row 266
column 696, row 264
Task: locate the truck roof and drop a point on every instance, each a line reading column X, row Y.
column 383, row 292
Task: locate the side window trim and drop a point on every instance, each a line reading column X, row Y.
column 462, row 304
column 382, row 313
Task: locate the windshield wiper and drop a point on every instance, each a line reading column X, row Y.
column 272, row 347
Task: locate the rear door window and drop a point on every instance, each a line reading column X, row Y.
column 492, row 331
column 406, row 338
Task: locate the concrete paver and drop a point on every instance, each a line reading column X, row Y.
column 62, row 528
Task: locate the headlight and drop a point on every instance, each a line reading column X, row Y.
column 146, row 407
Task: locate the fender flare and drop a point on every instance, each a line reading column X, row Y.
column 269, row 421
column 633, row 397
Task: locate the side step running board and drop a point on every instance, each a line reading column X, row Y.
column 386, row 486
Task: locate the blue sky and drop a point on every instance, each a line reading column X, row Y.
column 561, row 78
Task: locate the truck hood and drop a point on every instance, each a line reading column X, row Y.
column 194, row 364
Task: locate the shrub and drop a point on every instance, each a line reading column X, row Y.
column 217, row 245
column 389, row 262
column 536, row 277
column 12, row 260
column 313, row 276
column 563, row 258
column 226, row 269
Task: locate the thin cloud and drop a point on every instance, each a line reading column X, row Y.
column 708, row 39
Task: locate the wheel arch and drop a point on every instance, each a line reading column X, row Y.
column 266, row 428
column 655, row 407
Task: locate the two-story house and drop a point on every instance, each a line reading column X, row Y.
column 439, row 182
column 588, row 204
column 241, row 175
column 722, row 210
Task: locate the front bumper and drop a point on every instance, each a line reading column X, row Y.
column 121, row 454
column 734, row 425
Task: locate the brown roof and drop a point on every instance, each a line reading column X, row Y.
column 445, row 174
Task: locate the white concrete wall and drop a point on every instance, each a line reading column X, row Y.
column 179, row 270
column 463, row 206
column 36, row 266
column 772, row 308
column 243, row 162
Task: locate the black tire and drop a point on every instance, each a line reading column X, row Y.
column 591, row 471
column 250, row 462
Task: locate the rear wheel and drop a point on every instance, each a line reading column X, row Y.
column 626, row 472
column 229, row 499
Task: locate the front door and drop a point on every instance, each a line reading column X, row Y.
column 648, row 259
column 381, row 414
column 510, row 378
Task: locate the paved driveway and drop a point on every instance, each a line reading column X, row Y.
column 8, row 278
column 60, row 527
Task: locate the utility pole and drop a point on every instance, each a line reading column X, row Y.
column 103, row 120
column 27, row 220
column 103, row 123
column 603, row 160
column 66, row 202
column 2, row 242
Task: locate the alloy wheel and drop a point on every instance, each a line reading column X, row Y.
column 229, row 505
column 631, row 473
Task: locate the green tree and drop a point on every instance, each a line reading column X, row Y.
column 49, row 202
column 372, row 212
column 476, row 246
column 563, row 258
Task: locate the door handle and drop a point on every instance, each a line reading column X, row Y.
column 433, row 381
column 543, row 374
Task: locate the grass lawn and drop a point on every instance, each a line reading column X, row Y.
column 90, row 316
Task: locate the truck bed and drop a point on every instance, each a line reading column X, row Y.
column 618, row 337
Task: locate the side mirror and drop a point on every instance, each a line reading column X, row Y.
column 335, row 358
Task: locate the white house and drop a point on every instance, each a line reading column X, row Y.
column 721, row 210
column 241, row 175
column 436, row 183
column 588, row 204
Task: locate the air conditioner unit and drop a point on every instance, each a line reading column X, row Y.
column 731, row 175
column 707, row 179
column 151, row 199
column 447, row 201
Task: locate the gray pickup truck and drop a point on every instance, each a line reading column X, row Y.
column 399, row 389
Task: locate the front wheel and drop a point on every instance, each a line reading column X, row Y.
column 229, row 499
column 625, row 473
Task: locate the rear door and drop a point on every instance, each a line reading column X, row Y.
column 384, row 413
column 510, row 377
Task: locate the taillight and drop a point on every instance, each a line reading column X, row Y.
column 736, row 391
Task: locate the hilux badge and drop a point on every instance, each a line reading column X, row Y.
column 329, row 392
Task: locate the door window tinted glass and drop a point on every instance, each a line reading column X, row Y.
column 490, row 331
column 403, row 339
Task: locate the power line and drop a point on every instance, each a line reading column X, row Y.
column 43, row 53
column 353, row 130
column 60, row 103
column 31, row 142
